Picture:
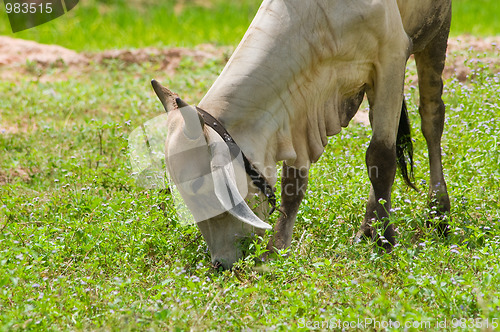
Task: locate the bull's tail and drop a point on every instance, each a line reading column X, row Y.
column 404, row 147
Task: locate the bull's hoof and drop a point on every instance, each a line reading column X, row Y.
column 276, row 243
column 442, row 227
column 439, row 219
column 365, row 233
column 384, row 246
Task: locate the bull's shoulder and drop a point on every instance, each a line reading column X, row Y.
column 363, row 26
column 423, row 19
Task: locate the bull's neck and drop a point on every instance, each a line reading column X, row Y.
column 260, row 95
column 246, row 111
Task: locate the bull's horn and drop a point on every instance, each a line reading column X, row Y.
column 180, row 103
column 227, row 191
column 193, row 124
column 166, row 96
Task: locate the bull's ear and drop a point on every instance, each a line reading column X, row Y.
column 166, row 96
column 193, row 122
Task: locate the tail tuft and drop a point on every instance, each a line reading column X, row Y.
column 404, row 147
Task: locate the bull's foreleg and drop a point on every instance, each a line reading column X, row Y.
column 381, row 164
column 293, row 188
column 430, row 65
column 385, row 98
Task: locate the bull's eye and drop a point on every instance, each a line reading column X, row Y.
column 196, row 184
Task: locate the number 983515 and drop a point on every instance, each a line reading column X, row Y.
column 31, row 8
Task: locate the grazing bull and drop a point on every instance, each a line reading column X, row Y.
column 297, row 77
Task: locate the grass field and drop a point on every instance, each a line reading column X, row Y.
column 478, row 17
column 97, row 25
column 82, row 248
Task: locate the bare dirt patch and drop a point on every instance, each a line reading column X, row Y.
column 10, row 175
column 464, row 54
column 14, row 128
column 467, row 52
column 15, row 53
column 169, row 59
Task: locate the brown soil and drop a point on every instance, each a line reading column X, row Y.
column 19, row 51
column 483, row 50
column 15, row 53
column 168, row 58
column 8, row 176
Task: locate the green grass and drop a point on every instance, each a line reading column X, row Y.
column 81, row 248
column 97, row 25
column 476, row 17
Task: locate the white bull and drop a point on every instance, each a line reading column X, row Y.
column 297, row 77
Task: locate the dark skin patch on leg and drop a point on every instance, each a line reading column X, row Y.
column 293, row 189
column 381, row 163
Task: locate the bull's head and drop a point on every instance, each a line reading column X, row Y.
column 212, row 181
